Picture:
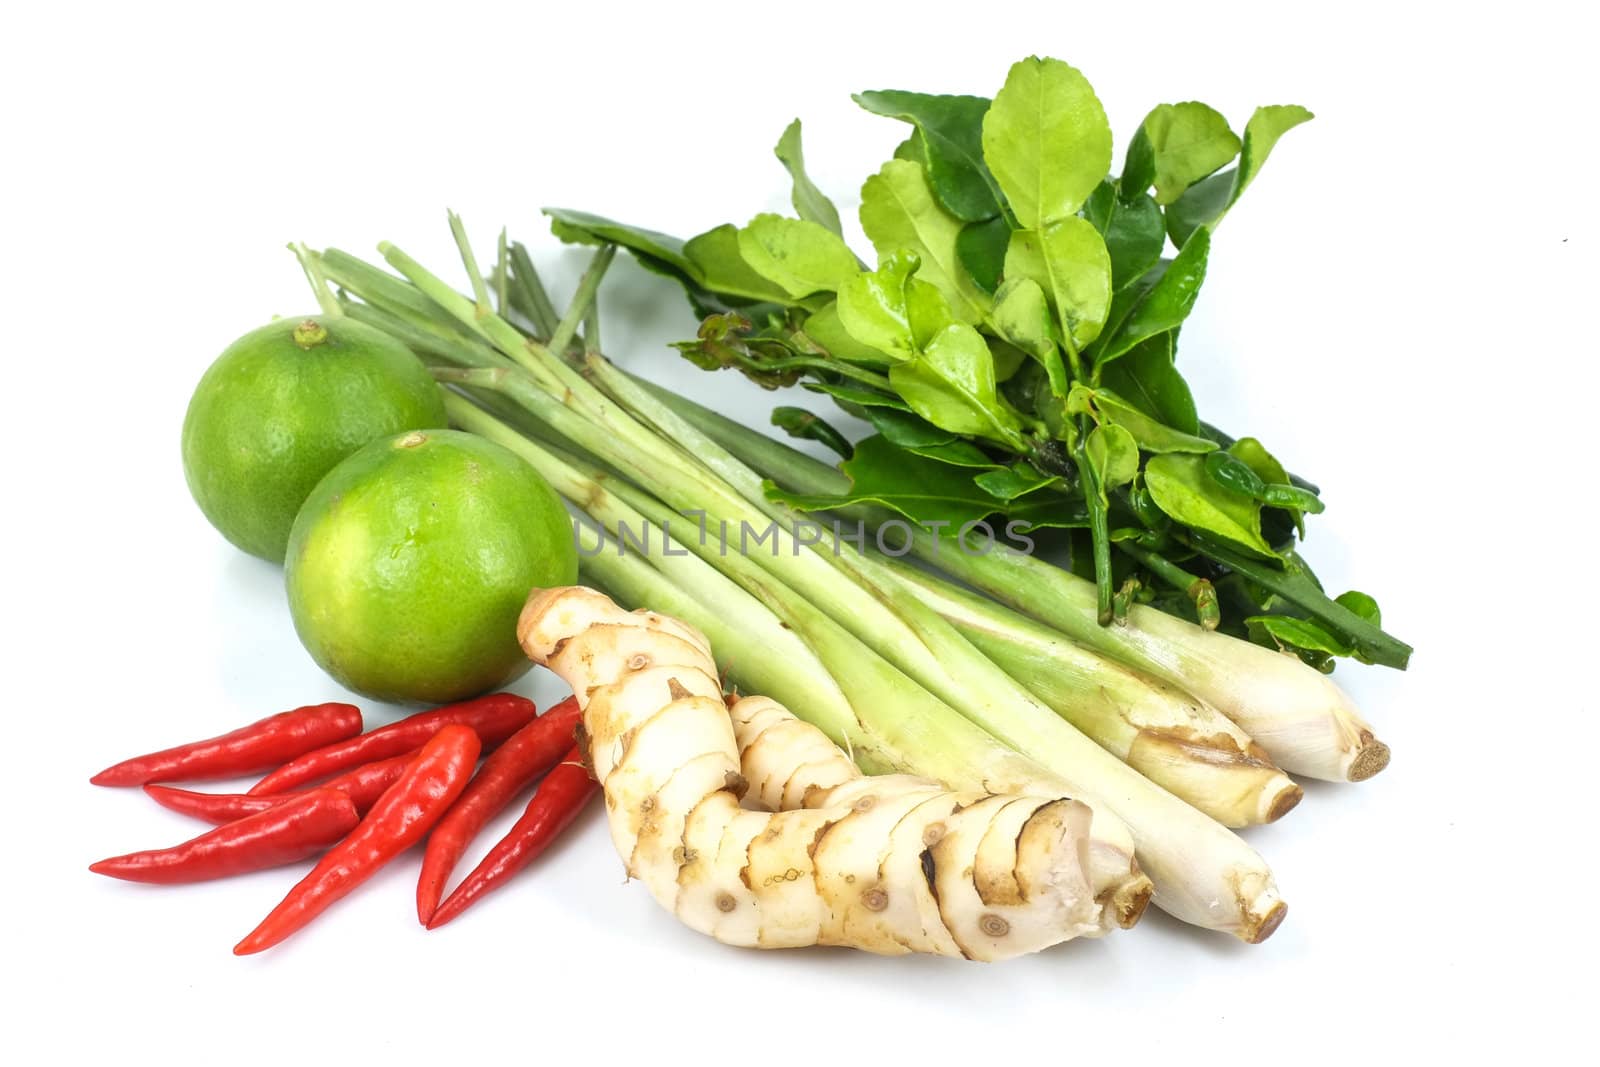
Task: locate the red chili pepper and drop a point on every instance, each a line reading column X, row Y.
column 295, row 829
column 561, row 796
column 364, row 785
column 494, row 718
column 527, row 754
column 399, row 820
column 249, row 749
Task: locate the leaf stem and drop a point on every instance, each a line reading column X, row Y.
column 1099, row 526
column 1200, row 590
column 1371, row 643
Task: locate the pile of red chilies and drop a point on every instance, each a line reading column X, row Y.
column 364, row 798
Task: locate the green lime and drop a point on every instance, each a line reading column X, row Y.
column 410, row 562
column 281, row 407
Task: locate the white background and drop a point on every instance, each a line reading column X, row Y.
column 1402, row 308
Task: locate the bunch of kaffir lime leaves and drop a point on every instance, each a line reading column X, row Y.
column 1015, row 348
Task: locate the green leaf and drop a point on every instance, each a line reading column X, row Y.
column 952, row 385
column 1134, row 230
column 810, row 203
column 1152, row 435
column 981, row 248
column 1277, row 490
column 1232, row 473
column 1206, row 202
column 1294, row 499
column 1017, row 480
column 800, row 257
column 1164, row 305
column 1022, row 316
column 1189, row 141
column 923, row 490
column 948, row 144
column 1290, row 632
column 798, row 422
column 1068, row 260
column 1180, row 487
column 660, row 254
column 1296, row 586
column 1040, row 510
column 1146, row 378
column 1138, row 167
column 857, row 396
column 824, row 329
column 1261, row 135
column 957, row 453
column 898, row 213
column 1046, row 140
column 727, row 340
column 891, row 310
column 1114, row 455
column 912, row 149
column 1254, row 455
column 1008, row 358
column 580, row 227
column 1202, row 207
column 1362, row 604
column 906, row 429
column 720, row 267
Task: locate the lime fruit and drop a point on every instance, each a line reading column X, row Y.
column 281, row 407
column 410, row 562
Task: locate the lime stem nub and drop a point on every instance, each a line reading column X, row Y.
column 310, row 334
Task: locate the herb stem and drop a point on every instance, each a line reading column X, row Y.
column 1099, row 527
column 591, row 328
column 502, row 280
column 326, row 300
column 588, row 286
column 541, row 312
column 1372, row 643
column 1199, row 590
column 480, row 291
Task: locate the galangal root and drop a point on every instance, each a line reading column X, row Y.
column 889, row 864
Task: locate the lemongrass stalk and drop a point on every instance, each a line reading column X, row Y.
column 1203, row 873
column 1206, row 874
column 1302, row 719
column 809, row 663
column 502, row 276
column 316, row 279
column 372, row 284
column 480, row 290
column 1183, row 745
column 540, row 311
column 588, row 286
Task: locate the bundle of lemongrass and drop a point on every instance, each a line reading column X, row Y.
column 1171, row 733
